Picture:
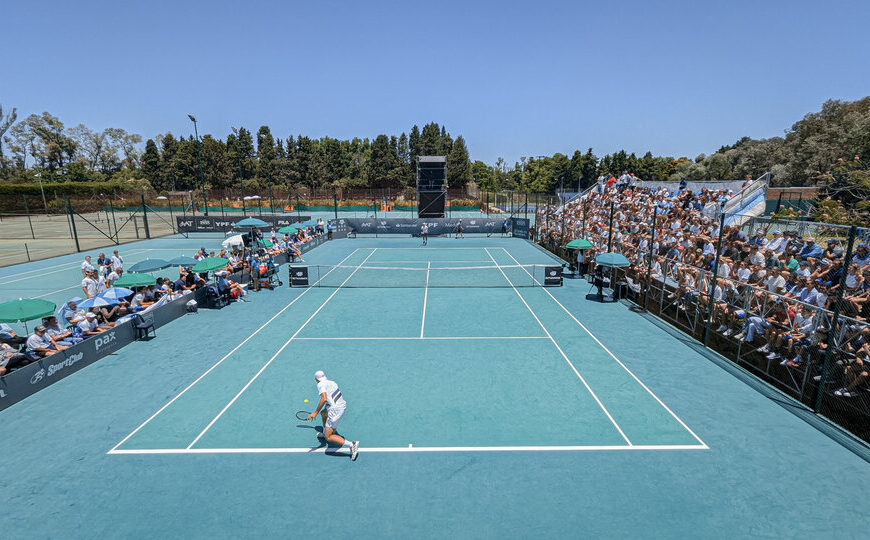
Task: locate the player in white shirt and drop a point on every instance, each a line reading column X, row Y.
column 333, row 406
column 424, row 232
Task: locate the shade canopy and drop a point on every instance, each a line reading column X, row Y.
column 25, row 309
column 183, row 261
column 580, row 243
column 149, row 265
column 251, row 223
column 97, row 301
column 262, row 242
column 115, row 293
column 232, row 241
column 301, row 224
column 288, row 230
column 209, row 264
column 612, row 259
column 135, row 280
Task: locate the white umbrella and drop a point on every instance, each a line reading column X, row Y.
column 233, row 241
column 252, row 197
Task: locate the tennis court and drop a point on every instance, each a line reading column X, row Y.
column 485, row 405
column 410, row 359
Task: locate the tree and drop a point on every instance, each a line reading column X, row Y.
column 151, row 165
column 382, row 164
column 458, row 165
column 414, row 145
column 5, row 124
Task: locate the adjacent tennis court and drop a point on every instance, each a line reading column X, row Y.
column 485, row 404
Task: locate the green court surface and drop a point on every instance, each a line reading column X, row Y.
column 489, row 408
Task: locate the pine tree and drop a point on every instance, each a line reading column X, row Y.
column 458, row 165
column 151, row 165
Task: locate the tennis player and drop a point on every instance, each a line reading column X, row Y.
column 459, row 229
column 424, row 232
column 333, row 406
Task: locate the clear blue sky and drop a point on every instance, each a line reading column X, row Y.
column 515, row 78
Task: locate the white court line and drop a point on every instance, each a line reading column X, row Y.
column 565, row 356
column 425, row 299
column 412, row 449
column 339, row 338
column 219, row 362
column 618, row 361
column 421, row 262
column 278, row 352
column 74, row 265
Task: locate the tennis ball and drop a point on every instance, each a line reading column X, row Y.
column 306, row 401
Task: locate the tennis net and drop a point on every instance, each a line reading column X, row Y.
column 531, row 275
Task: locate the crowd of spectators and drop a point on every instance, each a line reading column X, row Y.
column 774, row 289
column 254, row 258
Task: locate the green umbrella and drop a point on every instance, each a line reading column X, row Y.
column 135, row 280
column 288, row 230
column 580, row 243
column 210, row 263
column 612, row 259
column 251, row 223
column 26, row 309
column 264, row 243
column 149, row 265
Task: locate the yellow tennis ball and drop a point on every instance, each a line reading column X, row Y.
column 306, row 401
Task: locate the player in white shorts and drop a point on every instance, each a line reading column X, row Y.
column 332, row 405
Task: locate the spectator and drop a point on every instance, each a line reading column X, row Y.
column 57, row 335
column 811, row 250
column 10, row 358
column 89, row 284
column 88, row 326
column 9, row 337
column 87, row 267
column 117, row 260
column 39, row 345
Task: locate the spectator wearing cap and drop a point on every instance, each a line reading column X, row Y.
column 114, row 276
column 759, row 239
column 39, row 345
column 777, row 245
column 9, row 337
column 88, row 326
column 811, row 250
column 832, row 249
column 861, row 257
column 57, row 335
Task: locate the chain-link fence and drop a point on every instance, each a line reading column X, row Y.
column 789, row 301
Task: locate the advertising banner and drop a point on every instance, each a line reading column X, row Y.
column 411, row 226
column 225, row 223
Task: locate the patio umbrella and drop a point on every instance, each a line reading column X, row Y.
column 236, row 240
column 288, row 230
column 25, row 309
column 149, row 265
column 115, row 293
column 251, row 223
column 612, row 259
column 264, row 243
column 135, row 280
column 183, row 261
column 210, row 263
column 580, row 243
column 97, row 301
column 301, row 224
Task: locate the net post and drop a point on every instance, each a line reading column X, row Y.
column 29, row 222
column 145, row 216
column 115, row 223
column 835, row 321
column 72, row 222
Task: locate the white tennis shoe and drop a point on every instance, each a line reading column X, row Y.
column 354, row 450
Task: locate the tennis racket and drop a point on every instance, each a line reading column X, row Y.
column 303, row 415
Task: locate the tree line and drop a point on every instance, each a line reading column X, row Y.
column 828, row 148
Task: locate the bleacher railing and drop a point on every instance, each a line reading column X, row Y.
column 813, row 344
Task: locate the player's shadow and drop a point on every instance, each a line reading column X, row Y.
column 323, row 443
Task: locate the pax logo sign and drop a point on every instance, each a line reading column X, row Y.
column 104, row 340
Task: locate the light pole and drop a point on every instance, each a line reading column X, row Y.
column 42, row 190
column 199, row 162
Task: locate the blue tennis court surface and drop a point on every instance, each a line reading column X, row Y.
column 484, row 406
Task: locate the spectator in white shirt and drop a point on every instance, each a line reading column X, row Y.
column 117, row 261
column 777, row 245
column 89, row 284
column 114, row 276
column 88, row 326
column 87, row 267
